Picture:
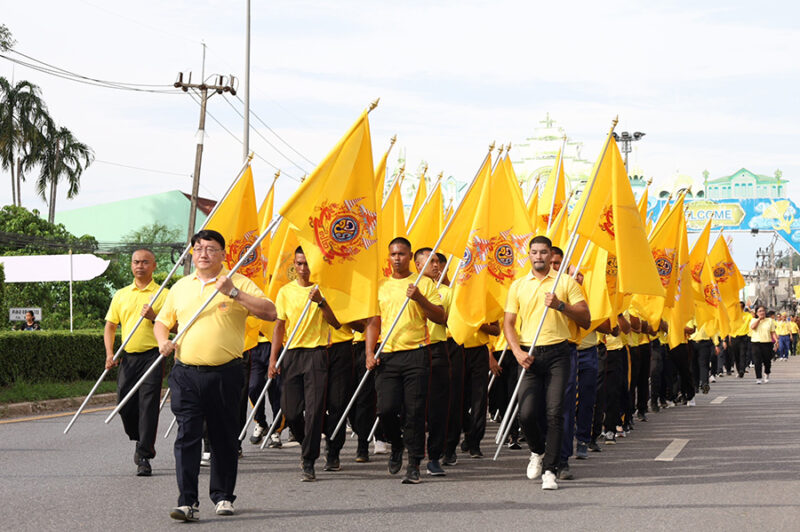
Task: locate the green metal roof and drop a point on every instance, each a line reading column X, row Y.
column 760, row 179
column 110, row 222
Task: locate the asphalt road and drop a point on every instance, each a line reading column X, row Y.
column 740, row 470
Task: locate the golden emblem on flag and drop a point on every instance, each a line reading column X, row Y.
column 607, row 221
column 502, row 252
column 342, row 230
column 241, row 247
column 722, row 271
column 711, row 294
column 696, row 271
column 475, row 257
column 664, row 259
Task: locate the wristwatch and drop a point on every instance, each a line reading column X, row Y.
column 321, row 303
column 561, row 306
column 234, row 293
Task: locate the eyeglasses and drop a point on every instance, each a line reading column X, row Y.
column 207, row 251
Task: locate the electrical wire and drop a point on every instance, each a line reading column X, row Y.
column 142, row 169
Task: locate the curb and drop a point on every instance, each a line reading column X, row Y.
column 54, row 405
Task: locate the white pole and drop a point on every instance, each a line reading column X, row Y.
column 153, row 300
column 246, row 133
column 272, row 428
column 70, row 290
column 555, row 185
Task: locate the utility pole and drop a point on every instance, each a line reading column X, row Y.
column 203, row 88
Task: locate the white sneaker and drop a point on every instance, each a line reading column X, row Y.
column 712, row 379
column 205, row 459
column 549, row 481
column 258, row 434
column 535, row 466
column 670, row 404
column 380, row 447
column 224, row 508
column 758, row 381
column 691, row 402
column 766, row 378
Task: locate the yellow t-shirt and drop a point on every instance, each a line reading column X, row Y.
column 359, row 336
column 411, row 331
column 700, row 333
column 590, row 340
column 438, row 332
column 761, row 334
column 793, row 329
column 742, row 327
column 217, row 336
column 526, row 300
column 478, row 339
column 615, row 342
column 342, row 334
column 782, row 328
column 126, row 308
column 290, row 302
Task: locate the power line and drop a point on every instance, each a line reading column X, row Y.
column 142, row 169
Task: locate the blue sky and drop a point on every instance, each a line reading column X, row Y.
column 713, row 84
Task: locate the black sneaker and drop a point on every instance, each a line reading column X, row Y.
column 475, row 453
column 412, row 475
column 396, row 462
column 308, row 472
column 362, row 457
column 434, row 469
column 332, row 463
column 564, row 473
column 705, row 388
column 514, row 444
column 654, row 406
column 582, row 451
column 144, row 469
column 136, row 457
column 464, row 446
column 450, row 460
column 594, row 447
column 641, row 416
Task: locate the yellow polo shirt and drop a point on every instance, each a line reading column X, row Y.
column 782, row 328
column 478, row 339
column 126, row 308
column 761, row 334
column 793, row 329
column 342, row 334
column 526, row 300
column 359, row 336
column 700, row 333
column 741, row 327
column 217, row 336
column 438, row 332
column 411, row 331
column 290, row 302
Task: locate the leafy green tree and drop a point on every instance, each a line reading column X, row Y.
column 23, row 117
column 24, row 232
column 61, row 158
column 6, row 40
column 161, row 239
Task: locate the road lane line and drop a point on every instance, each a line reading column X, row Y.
column 51, row 416
column 672, row 450
column 718, row 400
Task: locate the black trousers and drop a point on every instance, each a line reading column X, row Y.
column 615, row 385
column 305, row 377
column 505, row 385
column 680, row 358
column 602, row 392
column 454, row 422
column 340, row 390
column 640, row 379
column 542, row 393
column 476, row 381
column 210, row 394
column 438, row 399
column 140, row 414
column 738, row 351
column 657, row 387
column 762, row 355
column 702, row 353
column 259, row 364
column 363, row 414
column 401, row 381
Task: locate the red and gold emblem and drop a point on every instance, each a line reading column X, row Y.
column 722, row 271
column 664, row 259
column 342, row 230
column 711, row 294
column 696, row 269
column 253, row 266
column 607, row 221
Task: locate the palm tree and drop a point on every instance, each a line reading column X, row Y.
column 23, row 114
column 60, row 157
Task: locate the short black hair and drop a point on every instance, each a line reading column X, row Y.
column 442, row 258
column 557, row 251
column 420, row 251
column 209, row 234
column 400, row 240
column 30, row 312
column 299, row 250
column 540, row 239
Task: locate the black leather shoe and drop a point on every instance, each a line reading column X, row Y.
column 143, row 469
column 412, row 475
column 395, row 462
column 308, row 472
column 332, row 463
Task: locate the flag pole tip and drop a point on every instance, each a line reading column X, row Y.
column 392, row 140
column 508, row 148
column 250, row 156
column 491, row 147
column 373, row 105
column 615, row 121
column 649, row 181
column 277, row 174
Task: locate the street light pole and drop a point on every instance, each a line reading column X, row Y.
column 625, row 139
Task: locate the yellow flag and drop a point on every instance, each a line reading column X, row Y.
column 697, row 258
column 710, row 312
column 495, row 255
column 643, row 206
column 237, row 221
column 264, row 218
column 727, row 276
column 682, row 309
column 281, row 258
column 533, row 208
column 392, row 225
column 425, row 229
column 595, row 287
column 419, row 199
column 611, row 220
column 559, row 230
column 553, row 196
column 336, row 218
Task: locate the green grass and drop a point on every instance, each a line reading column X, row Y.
column 21, row 392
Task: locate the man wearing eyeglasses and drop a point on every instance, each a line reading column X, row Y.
column 208, row 376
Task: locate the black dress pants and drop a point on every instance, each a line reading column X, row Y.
column 259, row 365
column 680, row 358
column 340, row 390
column 305, row 377
column 616, row 386
column 602, row 392
column 140, row 414
column 362, row 415
column 455, row 353
column 438, row 400
column 476, row 383
column 738, row 351
column 210, row 394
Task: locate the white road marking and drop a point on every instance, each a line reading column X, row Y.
column 718, row 400
column 672, row 450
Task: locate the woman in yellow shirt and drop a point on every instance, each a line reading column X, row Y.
column 763, row 339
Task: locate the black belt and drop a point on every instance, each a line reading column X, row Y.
column 222, row 367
